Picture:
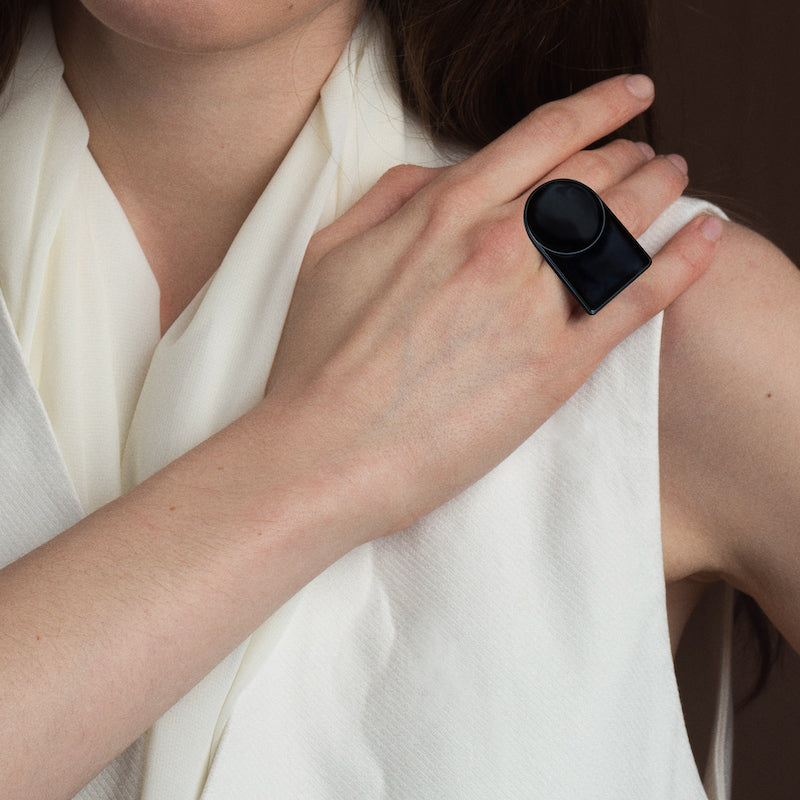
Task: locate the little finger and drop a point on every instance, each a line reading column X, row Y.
column 676, row 266
column 391, row 192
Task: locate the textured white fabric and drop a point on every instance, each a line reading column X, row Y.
column 513, row 644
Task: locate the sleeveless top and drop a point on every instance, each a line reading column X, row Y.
column 512, row 644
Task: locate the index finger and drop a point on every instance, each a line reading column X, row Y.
column 519, row 158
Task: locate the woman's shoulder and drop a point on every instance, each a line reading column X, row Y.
column 730, row 425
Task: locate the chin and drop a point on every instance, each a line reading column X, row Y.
column 200, row 26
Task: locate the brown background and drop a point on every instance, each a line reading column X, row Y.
column 727, row 75
column 728, row 98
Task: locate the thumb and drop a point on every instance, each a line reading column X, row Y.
column 391, row 192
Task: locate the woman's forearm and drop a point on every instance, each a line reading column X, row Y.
column 110, row 623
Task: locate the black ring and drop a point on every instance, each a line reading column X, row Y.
column 587, row 246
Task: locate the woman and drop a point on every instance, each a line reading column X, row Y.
column 522, row 623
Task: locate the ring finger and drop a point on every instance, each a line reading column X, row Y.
column 641, row 197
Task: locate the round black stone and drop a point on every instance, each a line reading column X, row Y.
column 565, row 216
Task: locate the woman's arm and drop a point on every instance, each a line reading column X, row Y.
column 425, row 342
column 730, row 427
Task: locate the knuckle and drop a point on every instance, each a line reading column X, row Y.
column 582, row 162
column 394, row 178
column 402, row 181
column 605, row 166
column 616, row 104
column 453, row 202
column 496, row 250
column 692, row 250
column 672, row 179
column 556, row 122
column 666, row 180
column 404, row 175
column 628, row 212
column 677, row 181
column 626, row 151
column 502, row 239
column 647, row 295
column 603, row 171
column 644, row 297
column 625, row 146
column 596, row 167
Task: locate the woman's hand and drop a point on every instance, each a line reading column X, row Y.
column 429, row 334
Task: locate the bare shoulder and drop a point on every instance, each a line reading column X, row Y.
column 730, row 426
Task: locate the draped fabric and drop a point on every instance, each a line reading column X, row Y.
column 512, row 644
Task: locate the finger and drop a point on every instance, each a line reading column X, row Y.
column 677, row 265
column 640, row 188
column 552, row 133
column 604, row 166
column 640, row 198
column 392, row 191
column 636, row 199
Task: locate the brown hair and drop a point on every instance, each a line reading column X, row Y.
column 14, row 15
column 470, row 69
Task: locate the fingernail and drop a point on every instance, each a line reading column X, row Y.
column 679, row 162
column 712, row 228
column 640, row 86
column 646, row 149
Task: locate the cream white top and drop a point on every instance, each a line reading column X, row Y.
column 513, row 644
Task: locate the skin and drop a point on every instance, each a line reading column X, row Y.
column 161, row 584
column 234, row 83
column 730, row 428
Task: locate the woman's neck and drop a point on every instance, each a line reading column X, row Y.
column 188, row 141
